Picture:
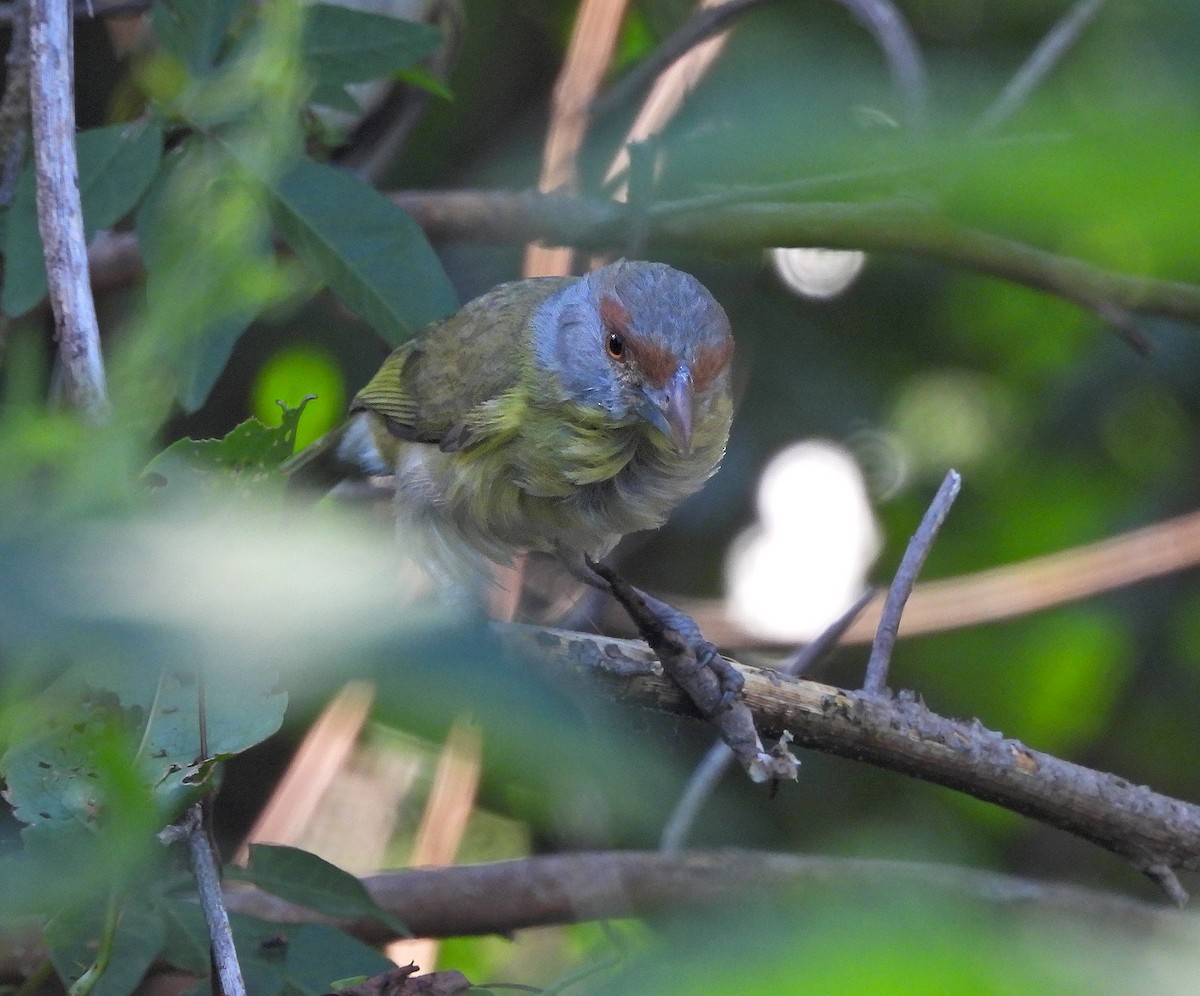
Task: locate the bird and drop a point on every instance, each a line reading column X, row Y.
column 551, row 415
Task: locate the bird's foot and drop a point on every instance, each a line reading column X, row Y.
column 712, row 683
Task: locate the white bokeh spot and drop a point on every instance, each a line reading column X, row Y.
column 806, row 559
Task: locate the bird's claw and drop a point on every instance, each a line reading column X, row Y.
column 729, row 679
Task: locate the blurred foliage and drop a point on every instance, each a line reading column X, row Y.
column 129, row 574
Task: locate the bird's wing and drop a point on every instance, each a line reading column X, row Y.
column 437, row 387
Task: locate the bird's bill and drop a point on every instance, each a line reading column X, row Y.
column 669, row 408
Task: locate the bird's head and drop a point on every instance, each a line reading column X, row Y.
column 637, row 340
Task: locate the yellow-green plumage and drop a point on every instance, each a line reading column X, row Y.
column 511, row 427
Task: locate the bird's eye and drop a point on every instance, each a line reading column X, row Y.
column 614, row 345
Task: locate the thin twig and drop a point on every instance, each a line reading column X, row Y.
column 60, row 211
column 805, row 657
column 703, row 24
column 1049, row 52
column 716, row 762
column 893, row 35
column 1123, row 323
column 906, row 576
column 208, row 884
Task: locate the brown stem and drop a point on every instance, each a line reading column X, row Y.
column 502, row 896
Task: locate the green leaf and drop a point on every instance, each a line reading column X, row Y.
column 141, row 725
column 421, row 77
column 116, row 167
column 248, row 456
column 336, row 96
column 193, row 31
column 202, row 360
column 342, row 45
column 307, row 880
column 138, row 937
column 372, row 254
column 185, row 942
column 241, row 708
column 304, row 960
column 51, row 775
column 210, row 333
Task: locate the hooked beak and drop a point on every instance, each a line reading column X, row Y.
column 669, row 408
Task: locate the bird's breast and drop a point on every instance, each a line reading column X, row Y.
column 567, row 482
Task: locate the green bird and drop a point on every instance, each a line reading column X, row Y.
column 552, row 415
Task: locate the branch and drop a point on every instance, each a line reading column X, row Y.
column 893, row 35
column 574, row 888
column 60, row 212
column 899, row 226
column 878, row 226
column 1155, row 833
column 703, row 24
column 1049, row 52
column 1006, row 592
column 208, row 884
column 906, row 576
column 712, row 767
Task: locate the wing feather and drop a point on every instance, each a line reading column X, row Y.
column 440, row 387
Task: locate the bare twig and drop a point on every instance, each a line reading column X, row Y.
column 716, row 762
column 1122, row 322
column 60, row 212
column 573, row 888
column 891, row 32
column 208, row 884
column 1049, row 52
column 1150, row 830
column 902, row 586
column 1005, row 592
column 589, row 54
column 703, row 24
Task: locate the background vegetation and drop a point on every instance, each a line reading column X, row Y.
column 272, row 271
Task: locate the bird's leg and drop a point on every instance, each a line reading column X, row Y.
column 710, row 681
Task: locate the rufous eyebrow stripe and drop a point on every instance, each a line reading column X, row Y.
column 614, row 315
column 710, row 361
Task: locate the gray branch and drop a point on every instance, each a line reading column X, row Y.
column 891, row 32
column 702, row 25
column 1048, row 54
column 216, row 916
column 502, row 896
column 716, row 762
column 906, row 576
column 60, row 212
column 1157, row 834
